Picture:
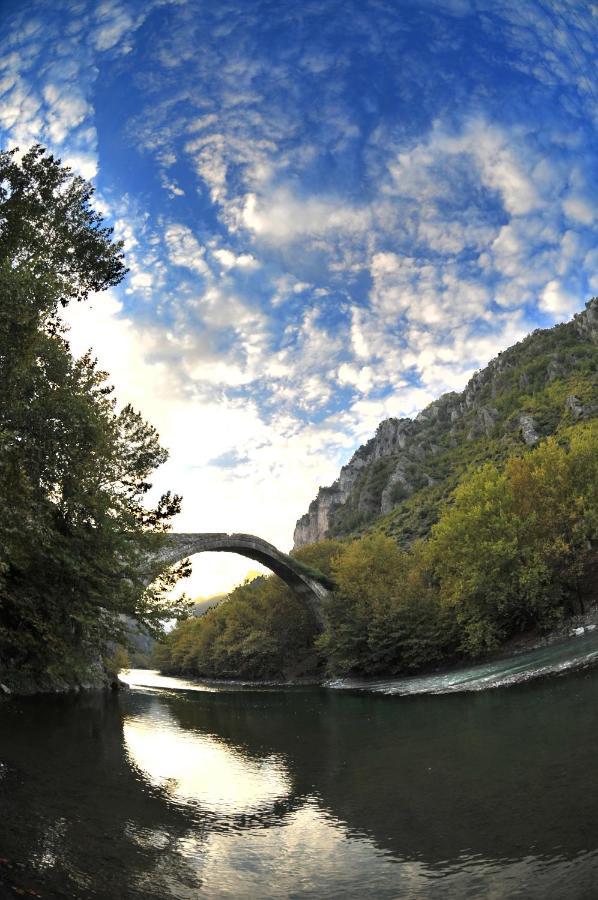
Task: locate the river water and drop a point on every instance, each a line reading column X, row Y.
column 419, row 788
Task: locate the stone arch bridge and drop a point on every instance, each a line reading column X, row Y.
column 311, row 587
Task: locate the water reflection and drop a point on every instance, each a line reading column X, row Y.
column 302, row 793
column 197, row 767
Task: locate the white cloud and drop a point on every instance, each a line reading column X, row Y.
column 211, row 164
column 67, row 109
column 83, row 164
column 362, row 378
column 424, row 292
column 229, row 260
column 446, row 162
column 185, row 250
column 141, row 281
column 282, row 217
column 113, row 22
column 579, row 209
column 558, row 302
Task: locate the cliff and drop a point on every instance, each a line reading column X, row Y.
column 404, row 471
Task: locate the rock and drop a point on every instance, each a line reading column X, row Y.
column 575, row 406
column 586, row 322
column 524, row 381
column 398, row 485
column 528, row 429
column 484, row 422
column 402, row 456
column 555, row 369
column 312, row 526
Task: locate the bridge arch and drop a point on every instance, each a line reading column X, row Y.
column 177, row 546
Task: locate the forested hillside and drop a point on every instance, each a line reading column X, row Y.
column 492, row 531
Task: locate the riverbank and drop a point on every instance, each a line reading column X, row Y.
column 574, row 626
column 20, row 684
column 100, row 680
column 515, row 647
column 571, row 652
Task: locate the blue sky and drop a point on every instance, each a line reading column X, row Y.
column 333, row 212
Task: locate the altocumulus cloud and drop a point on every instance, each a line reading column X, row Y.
column 332, row 213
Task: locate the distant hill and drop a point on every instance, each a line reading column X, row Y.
column 201, row 606
column 396, row 482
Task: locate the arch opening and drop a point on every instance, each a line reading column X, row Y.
column 311, row 588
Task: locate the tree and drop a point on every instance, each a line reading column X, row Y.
column 262, row 630
column 516, row 544
column 385, row 616
column 73, row 469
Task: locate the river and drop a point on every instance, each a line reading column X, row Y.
column 416, row 788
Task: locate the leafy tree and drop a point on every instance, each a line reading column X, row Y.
column 385, row 616
column 512, row 549
column 262, row 630
column 319, row 557
column 474, row 550
column 516, row 547
column 73, row 469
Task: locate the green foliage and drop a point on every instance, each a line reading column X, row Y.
column 73, row 470
column 534, row 377
column 119, row 660
column 261, row 631
column 319, row 556
column 316, row 560
column 511, row 550
column 398, row 492
column 386, row 615
column 514, row 549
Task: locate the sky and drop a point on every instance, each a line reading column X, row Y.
column 333, row 212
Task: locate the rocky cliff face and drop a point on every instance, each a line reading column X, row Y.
column 521, row 396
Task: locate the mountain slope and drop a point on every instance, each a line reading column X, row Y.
column 399, row 478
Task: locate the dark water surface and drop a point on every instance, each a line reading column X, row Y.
column 171, row 792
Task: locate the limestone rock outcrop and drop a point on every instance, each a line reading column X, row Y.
column 400, row 459
column 528, row 430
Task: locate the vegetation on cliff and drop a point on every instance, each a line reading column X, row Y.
column 409, row 468
column 73, row 468
column 515, row 548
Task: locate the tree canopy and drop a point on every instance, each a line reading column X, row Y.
column 74, row 468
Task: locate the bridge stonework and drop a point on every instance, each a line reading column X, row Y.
column 178, row 546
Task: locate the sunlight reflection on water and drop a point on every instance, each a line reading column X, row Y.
column 196, row 767
column 151, row 678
